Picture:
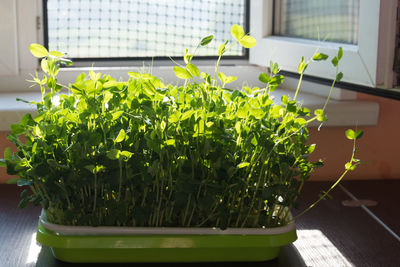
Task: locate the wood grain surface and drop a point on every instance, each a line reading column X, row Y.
column 329, row 235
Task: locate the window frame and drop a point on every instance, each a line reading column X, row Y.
column 9, row 45
column 369, row 63
column 135, row 61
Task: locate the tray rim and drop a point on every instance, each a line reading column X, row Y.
column 66, row 230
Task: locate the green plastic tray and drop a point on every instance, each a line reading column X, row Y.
column 164, row 248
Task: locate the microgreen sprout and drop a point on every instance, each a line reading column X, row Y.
column 142, row 153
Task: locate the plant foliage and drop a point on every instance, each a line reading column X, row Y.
column 142, row 153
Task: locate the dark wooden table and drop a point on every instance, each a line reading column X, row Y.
column 329, row 235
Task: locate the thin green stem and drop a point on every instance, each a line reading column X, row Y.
column 323, row 196
column 298, row 85
column 120, row 179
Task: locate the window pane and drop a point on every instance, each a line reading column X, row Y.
column 335, row 20
column 151, row 28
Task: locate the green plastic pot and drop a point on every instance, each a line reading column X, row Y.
column 165, row 247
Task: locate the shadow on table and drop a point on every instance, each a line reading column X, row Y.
column 289, row 256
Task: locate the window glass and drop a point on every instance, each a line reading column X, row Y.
column 146, row 28
column 330, row 20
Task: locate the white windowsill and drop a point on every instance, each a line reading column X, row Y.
column 340, row 113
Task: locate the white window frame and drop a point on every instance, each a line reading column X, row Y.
column 8, row 45
column 29, row 29
column 20, row 30
column 368, row 63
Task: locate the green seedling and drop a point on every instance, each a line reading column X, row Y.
column 141, row 153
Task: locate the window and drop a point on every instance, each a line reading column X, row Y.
column 368, row 43
column 129, row 29
column 333, row 21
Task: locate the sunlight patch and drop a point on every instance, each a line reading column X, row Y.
column 34, row 250
column 316, row 249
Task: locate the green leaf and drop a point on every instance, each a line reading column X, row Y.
column 81, row 78
column 94, row 76
column 206, row 40
column 193, row 70
column 350, row 134
column 319, row 113
column 221, row 49
column 187, row 114
column 359, row 134
column 187, row 57
column 237, row 32
column 264, row 78
column 206, row 77
column 231, row 79
column 274, row 67
column 302, row 66
column 174, row 117
column 181, row 73
column 242, row 112
column 300, row 121
column 99, row 168
column 126, row 154
column 226, row 79
column 248, row 41
column 285, row 99
column 350, row 166
column 340, row 53
column 23, row 203
column 311, row 148
column 238, row 128
column 94, row 169
column 27, row 120
column 120, row 137
column 113, row 154
column 201, row 127
column 170, row 142
column 222, row 77
column 320, row 56
column 276, row 80
column 38, row 50
column 3, row 163
column 291, row 106
column 257, row 113
column 56, row 54
column 44, row 64
column 335, row 61
column 117, row 114
column 72, row 117
column 109, row 84
column 134, row 74
column 209, row 124
column 339, row 76
column 34, row 147
column 243, row 164
column 17, row 129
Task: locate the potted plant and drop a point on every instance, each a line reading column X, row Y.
column 138, row 170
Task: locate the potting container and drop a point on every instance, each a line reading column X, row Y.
column 163, row 244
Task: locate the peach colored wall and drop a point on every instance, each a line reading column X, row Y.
column 380, row 147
